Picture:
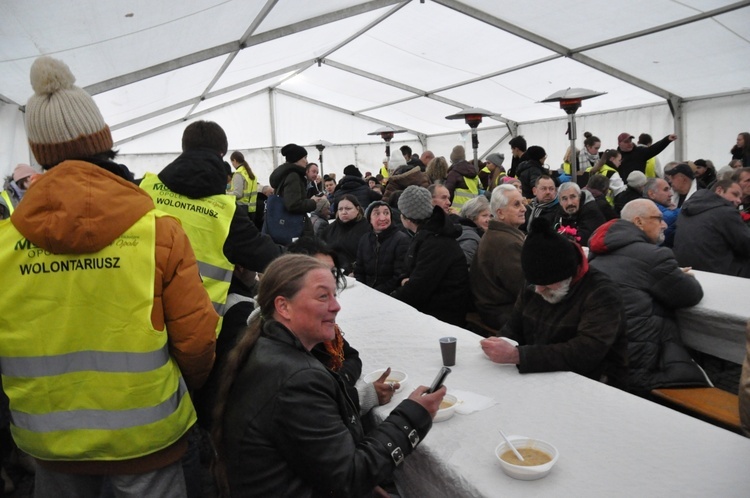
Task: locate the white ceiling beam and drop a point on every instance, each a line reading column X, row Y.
column 667, row 26
column 230, row 47
column 346, row 111
column 216, row 93
column 416, row 91
column 553, row 46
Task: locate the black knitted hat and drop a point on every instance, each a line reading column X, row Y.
column 548, row 257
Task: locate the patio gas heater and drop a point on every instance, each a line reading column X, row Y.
column 320, row 145
column 386, row 133
column 570, row 100
column 473, row 116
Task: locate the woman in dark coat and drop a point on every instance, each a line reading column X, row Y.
column 285, row 424
column 344, row 234
column 382, row 252
column 290, row 183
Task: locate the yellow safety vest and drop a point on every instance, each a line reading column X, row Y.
column 87, row 375
column 206, row 222
column 650, row 170
column 384, row 172
column 461, row 195
column 7, row 201
column 608, row 171
column 250, row 191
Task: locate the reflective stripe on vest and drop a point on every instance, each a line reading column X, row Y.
column 250, row 190
column 7, row 201
column 87, row 375
column 206, row 222
column 461, row 195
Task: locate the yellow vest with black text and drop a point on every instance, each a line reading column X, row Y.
column 250, row 190
column 206, row 222
column 462, row 195
column 7, row 201
column 87, row 375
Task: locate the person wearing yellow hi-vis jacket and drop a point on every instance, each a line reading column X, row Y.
column 192, row 188
column 105, row 322
column 244, row 184
column 463, row 180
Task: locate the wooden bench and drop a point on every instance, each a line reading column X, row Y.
column 707, row 403
column 475, row 324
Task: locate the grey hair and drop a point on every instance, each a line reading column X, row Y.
column 636, row 207
column 499, row 199
column 474, row 207
column 651, row 185
column 568, row 186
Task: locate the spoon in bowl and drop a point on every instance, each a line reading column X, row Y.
column 515, row 451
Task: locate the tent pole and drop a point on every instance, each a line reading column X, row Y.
column 272, row 116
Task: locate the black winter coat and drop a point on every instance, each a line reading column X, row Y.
column 584, row 333
column 353, row 185
column 291, row 430
column 289, row 183
column 711, row 236
column 528, row 171
column 652, row 287
column 381, row 259
column 436, row 267
column 200, row 173
column 344, row 239
column 635, row 160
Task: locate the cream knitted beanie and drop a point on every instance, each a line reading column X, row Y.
column 62, row 120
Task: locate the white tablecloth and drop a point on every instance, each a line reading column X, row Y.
column 611, row 443
column 716, row 325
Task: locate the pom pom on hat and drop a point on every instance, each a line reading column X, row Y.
column 548, row 257
column 293, row 152
column 458, row 154
column 62, row 120
column 415, row 203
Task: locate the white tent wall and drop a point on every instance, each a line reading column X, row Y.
column 14, row 148
column 713, row 125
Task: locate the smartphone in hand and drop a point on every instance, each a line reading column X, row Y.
column 439, row 379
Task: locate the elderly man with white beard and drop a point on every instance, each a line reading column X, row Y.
column 568, row 318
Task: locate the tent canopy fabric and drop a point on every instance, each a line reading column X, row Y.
column 279, row 71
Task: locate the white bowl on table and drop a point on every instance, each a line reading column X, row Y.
column 395, row 376
column 527, row 473
column 447, row 408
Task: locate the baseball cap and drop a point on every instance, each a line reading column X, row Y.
column 624, row 137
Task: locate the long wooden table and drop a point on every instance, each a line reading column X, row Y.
column 611, row 443
column 716, row 325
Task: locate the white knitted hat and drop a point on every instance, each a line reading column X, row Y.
column 62, row 120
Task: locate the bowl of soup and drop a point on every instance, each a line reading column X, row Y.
column 395, row 376
column 539, row 458
column 447, row 408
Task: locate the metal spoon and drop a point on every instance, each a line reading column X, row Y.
column 515, row 451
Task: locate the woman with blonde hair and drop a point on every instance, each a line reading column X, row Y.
column 285, row 426
column 244, row 183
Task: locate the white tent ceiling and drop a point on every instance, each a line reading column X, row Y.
column 277, row 71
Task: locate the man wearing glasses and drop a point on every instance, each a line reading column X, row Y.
column 652, row 286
